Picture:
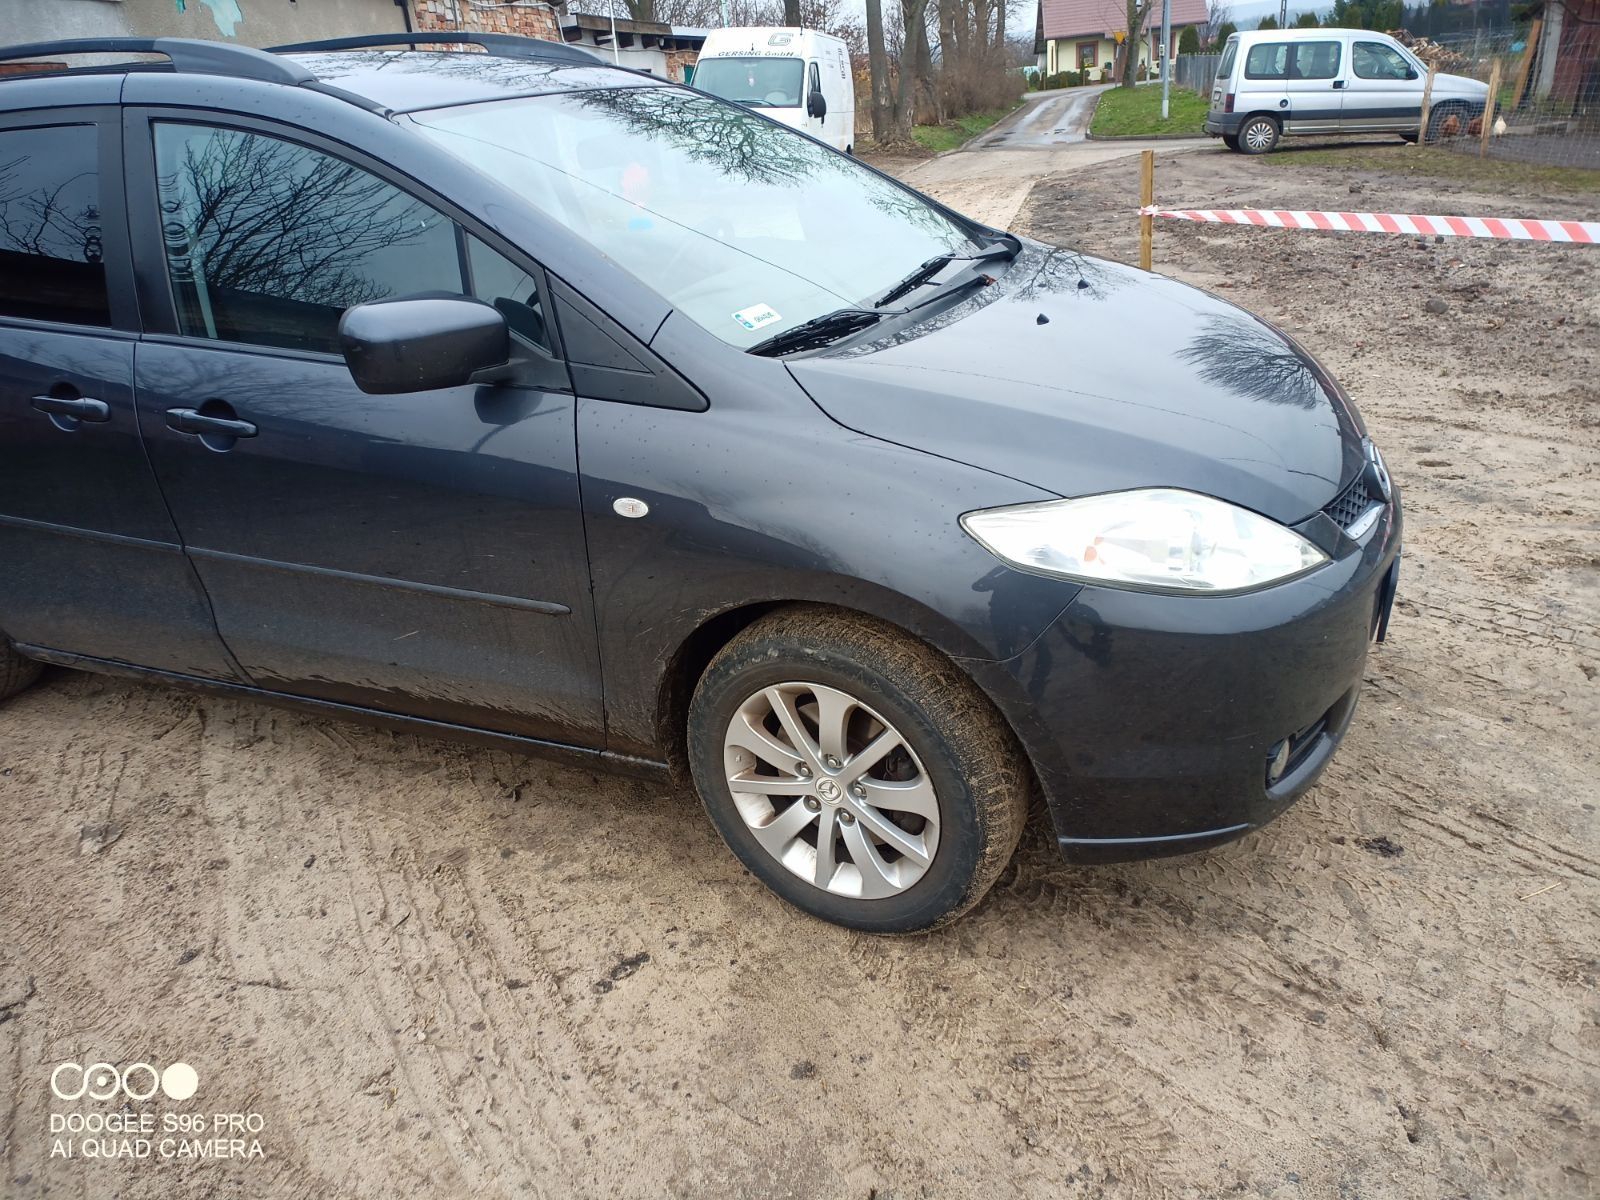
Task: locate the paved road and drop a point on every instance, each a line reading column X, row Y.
column 1055, row 118
column 990, row 178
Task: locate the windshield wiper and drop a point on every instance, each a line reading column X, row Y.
column 819, row 331
column 938, row 263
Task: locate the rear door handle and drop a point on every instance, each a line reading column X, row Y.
column 189, row 420
column 84, row 408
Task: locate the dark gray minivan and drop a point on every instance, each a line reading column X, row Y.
column 513, row 396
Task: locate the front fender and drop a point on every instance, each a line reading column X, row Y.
column 754, row 506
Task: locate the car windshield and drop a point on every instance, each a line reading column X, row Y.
column 774, row 82
column 742, row 225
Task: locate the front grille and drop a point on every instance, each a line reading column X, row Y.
column 1351, row 503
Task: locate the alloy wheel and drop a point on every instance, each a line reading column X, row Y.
column 831, row 790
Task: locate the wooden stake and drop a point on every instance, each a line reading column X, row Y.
column 1147, row 197
column 1488, row 109
column 1427, row 103
column 1527, row 61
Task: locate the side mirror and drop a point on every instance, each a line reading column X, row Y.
column 816, row 106
column 415, row 345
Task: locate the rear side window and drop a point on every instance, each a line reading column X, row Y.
column 268, row 241
column 1315, row 60
column 1267, row 60
column 1229, row 53
column 51, row 263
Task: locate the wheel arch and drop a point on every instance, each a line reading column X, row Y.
column 694, row 654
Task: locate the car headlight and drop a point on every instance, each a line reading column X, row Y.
column 1157, row 538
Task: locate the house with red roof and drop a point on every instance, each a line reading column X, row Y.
column 1089, row 35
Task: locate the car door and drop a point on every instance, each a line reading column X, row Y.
column 1266, row 81
column 1316, row 85
column 1384, row 91
column 419, row 553
column 90, row 562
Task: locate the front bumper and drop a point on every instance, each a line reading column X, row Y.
column 1150, row 719
column 1224, row 124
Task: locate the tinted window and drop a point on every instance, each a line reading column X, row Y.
column 1315, row 60
column 761, row 82
column 510, row 289
column 1268, row 60
column 51, row 266
column 268, row 242
column 1229, row 52
column 1374, row 60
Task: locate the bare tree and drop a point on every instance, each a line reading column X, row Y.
column 1217, row 15
column 1137, row 12
column 878, row 59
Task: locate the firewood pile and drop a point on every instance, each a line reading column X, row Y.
column 1439, row 57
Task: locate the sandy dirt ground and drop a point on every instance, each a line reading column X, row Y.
column 437, row 971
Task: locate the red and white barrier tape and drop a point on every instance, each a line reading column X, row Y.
column 1523, row 230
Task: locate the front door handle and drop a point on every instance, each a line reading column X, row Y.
column 84, row 408
column 189, row 420
column 1338, row 83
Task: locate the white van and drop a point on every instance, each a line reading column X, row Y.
column 797, row 76
column 1273, row 83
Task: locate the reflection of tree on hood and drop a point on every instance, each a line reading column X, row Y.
column 271, row 218
column 1245, row 356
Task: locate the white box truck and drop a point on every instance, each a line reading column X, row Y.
column 797, row 76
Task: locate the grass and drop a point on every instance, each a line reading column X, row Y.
column 939, row 138
column 1131, row 112
column 1454, row 165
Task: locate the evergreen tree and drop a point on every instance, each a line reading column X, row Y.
column 1189, row 41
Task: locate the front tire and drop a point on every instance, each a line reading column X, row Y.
column 1258, row 135
column 16, row 672
column 855, row 771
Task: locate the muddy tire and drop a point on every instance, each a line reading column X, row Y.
column 16, row 672
column 855, row 771
column 1258, row 135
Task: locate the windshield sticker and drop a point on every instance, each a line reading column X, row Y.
column 756, row 316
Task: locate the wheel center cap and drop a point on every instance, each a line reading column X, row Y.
column 830, row 791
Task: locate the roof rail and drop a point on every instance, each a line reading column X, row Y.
column 189, row 55
column 503, row 45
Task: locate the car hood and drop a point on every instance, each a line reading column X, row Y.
column 1458, row 85
column 1079, row 376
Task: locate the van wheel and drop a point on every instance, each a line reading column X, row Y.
column 1258, row 135
column 856, row 772
column 16, row 672
column 1231, row 141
